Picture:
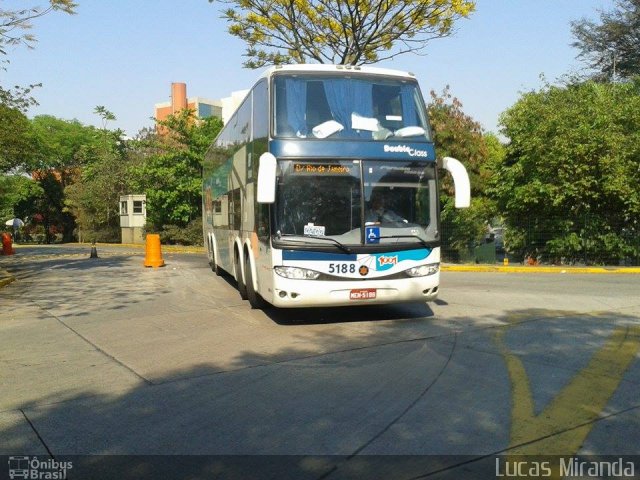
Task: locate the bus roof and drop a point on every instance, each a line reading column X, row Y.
column 319, row 67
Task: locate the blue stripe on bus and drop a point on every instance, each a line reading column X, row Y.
column 317, row 256
column 395, row 150
column 419, row 254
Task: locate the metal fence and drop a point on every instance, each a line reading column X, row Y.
column 549, row 241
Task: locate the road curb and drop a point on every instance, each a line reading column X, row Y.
column 165, row 248
column 539, row 269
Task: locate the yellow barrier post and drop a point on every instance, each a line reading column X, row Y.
column 153, row 251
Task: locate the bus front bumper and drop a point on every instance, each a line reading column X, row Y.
column 289, row 293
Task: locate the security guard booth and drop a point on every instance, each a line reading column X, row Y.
column 133, row 217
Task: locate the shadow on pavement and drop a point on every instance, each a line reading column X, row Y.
column 308, row 417
column 371, row 313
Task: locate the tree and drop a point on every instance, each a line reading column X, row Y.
column 19, row 196
column 14, row 27
column 458, row 135
column 15, row 141
column 105, row 174
column 14, row 30
column 18, row 97
column 568, row 185
column 15, row 24
column 105, row 115
column 61, row 148
column 171, row 169
column 611, row 47
column 348, row 32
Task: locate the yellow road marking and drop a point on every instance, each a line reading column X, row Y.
column 576, row 406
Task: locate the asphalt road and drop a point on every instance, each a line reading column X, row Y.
column 104, row 357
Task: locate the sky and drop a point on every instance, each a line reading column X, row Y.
column 124, row 55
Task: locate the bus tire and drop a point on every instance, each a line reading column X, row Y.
column 214, row 265
column 211, row 255
column 215, row 268
column 242, row 288
column 255, row 300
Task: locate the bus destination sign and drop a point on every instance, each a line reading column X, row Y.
column 321, row 168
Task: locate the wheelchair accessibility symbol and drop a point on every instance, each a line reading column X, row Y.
column 372, row 234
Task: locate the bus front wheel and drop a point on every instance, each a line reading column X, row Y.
column 255, row 300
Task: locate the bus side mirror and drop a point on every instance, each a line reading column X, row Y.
column 460, row 181
column 266, row 178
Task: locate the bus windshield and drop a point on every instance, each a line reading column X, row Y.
column 333, row 202
column 356, row 108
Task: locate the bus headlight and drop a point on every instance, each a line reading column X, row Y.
column 297, row 273
column 423, row 270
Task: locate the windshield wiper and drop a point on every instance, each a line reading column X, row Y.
column 416, row 237
column 341, row 246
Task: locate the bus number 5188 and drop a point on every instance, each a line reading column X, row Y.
column 342, row 268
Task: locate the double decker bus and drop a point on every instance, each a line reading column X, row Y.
column 322, row 190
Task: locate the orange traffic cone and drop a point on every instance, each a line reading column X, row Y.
column 153, row 252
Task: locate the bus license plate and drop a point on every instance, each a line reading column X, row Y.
column 362, row 294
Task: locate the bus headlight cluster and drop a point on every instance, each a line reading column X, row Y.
column 297, row 273
column 424, row 270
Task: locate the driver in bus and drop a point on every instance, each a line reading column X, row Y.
column 378, row 212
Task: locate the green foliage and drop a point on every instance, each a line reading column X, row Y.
column 353, row 32
column 462, row 229
column 496, row 151
column 611, row 47
column 105, row 114
column 61, row 144
column 60, row 149
column 80, row 172
column 18, row 197
column 571, row 168
column 94, row 197
column 171, row 173
column 15, row 138
column 16, row 141
column 191, row 234
column 457, row 135
column 14, row 30
column 18, row 98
